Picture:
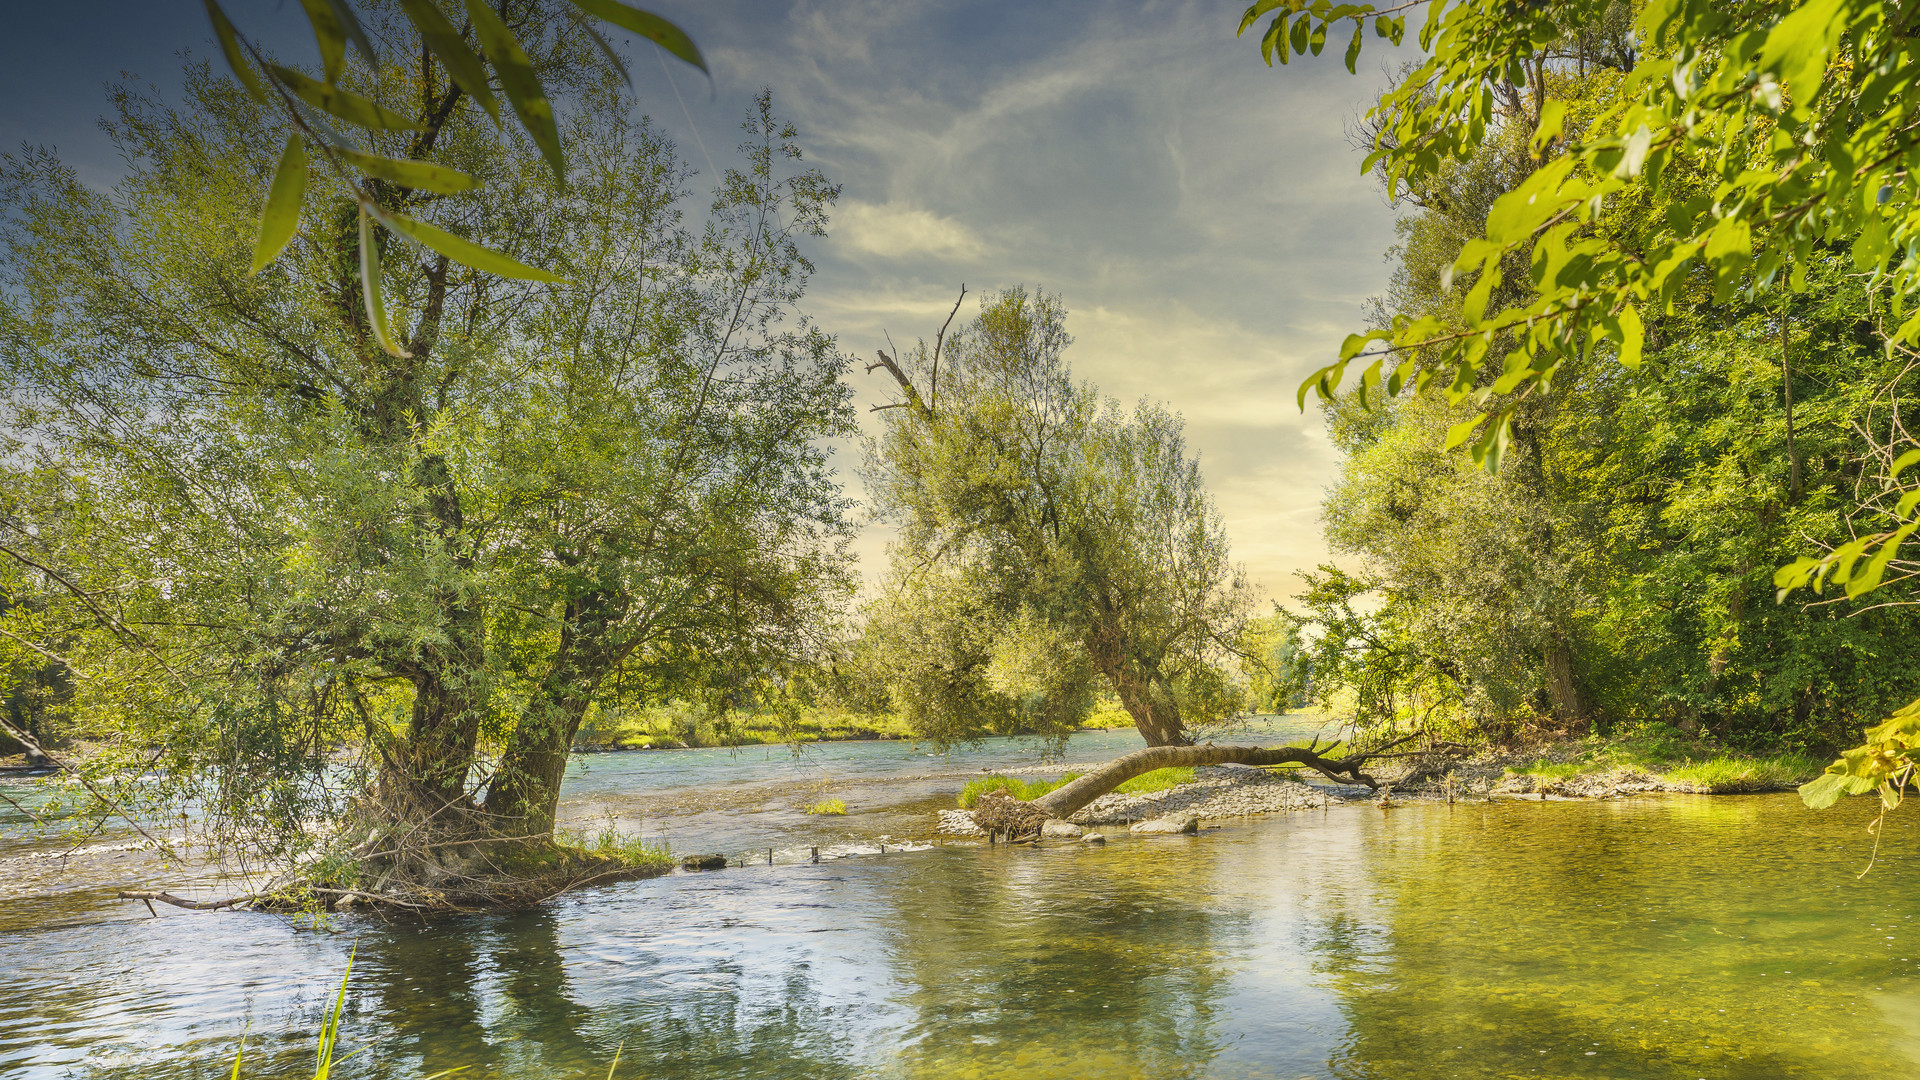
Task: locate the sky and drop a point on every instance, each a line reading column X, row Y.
column 1203, row 217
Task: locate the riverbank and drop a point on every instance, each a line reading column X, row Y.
column 675, row 727
column 1562, row 769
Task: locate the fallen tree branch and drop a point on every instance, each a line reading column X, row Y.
column 182, row 902
column 1066, row 800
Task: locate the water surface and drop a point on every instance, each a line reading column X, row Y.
column 1660, row 936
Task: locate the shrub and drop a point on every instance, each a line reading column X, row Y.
column 828, row 806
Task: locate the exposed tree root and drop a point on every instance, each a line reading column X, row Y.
column 505, row 874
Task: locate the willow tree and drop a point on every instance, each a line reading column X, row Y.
column 1049, row 538
column 308, row 575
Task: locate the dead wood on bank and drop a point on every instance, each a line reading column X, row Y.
column 1064, row 801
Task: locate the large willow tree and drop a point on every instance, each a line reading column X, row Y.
column 301, row 575
column 1050, row 540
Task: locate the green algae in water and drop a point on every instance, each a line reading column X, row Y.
column 1667, row 936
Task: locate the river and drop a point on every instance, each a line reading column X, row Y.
column 1658, row 936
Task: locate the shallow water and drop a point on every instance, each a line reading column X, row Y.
column 1661, row 936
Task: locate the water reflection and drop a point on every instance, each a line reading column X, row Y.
column 1663, row 937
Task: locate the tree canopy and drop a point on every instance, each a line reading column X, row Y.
column 1049, row 538
column 259, row 536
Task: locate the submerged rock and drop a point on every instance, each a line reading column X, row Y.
column 1171, row 824
column 1093, row 838
column 704, row 862
column 1064, row 830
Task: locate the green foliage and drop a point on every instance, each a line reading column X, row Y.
column 1049, row 539
column 1273, row 664
column 305, row 570
column 1024, row 790
column 830, row 807
column 465, row 54
column 1028, row 790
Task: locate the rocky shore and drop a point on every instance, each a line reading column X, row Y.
column 1227, row 791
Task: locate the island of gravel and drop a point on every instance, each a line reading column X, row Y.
column 1237, row 791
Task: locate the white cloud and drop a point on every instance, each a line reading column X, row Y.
column 897, row 230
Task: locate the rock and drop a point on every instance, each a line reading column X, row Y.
column 1064, row 830
column 704, row 862
column 1171, row 824
column 959, row 823
column 1093, row 838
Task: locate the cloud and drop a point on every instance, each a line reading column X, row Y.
column 897, row 230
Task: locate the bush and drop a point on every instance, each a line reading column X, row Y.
column 828, row 806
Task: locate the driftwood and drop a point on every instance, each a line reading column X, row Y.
column 998, row 812
column 183, row 902
column 1066, row 800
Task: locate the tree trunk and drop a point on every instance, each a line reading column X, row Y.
column 1064, row 801
column 1560, row 689
column 427, row 772
column 1155, row 715
column 526, row 790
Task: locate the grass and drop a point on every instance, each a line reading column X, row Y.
column 1665, row 752
column 1028, row 790
column 828, row 806
column 1729, row 773
column 629, row 848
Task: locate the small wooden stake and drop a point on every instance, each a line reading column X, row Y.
column 816, row 854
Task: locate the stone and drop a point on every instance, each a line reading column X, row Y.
column 1093, row 838
column 1063, row 830
column 704, row 862
column 1170, row 825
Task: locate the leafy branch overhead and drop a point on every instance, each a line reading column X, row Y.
column 478, row 56
column 1758, row 139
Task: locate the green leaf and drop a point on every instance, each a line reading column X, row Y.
column 522, row 86
column 328, row 34
column 647, row 25
column 1553, row 122
column 351, row 107
column 1904, row 462
column 1868, row 578
column 1797, row 47
column 420, row 175
column 1823, row 791
column 370, row 288
column 1275, row 40
column 1632, row 337
column 282, row 214
column 465, row 252
column 440, row 37
column 1353, row 47
column 1319, row 39
column 1462, row 431
column 1301, row 31
column 1253, row 14
column 230, row 48
column 607, row 50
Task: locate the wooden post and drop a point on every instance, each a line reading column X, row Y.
column 816, row 854
column 769, row 856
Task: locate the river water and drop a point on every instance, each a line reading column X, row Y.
column 1658, row 936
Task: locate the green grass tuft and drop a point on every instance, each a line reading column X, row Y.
column 1028, row 790
column 1727, row 773
column 1157, row 780
column 828, row 806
